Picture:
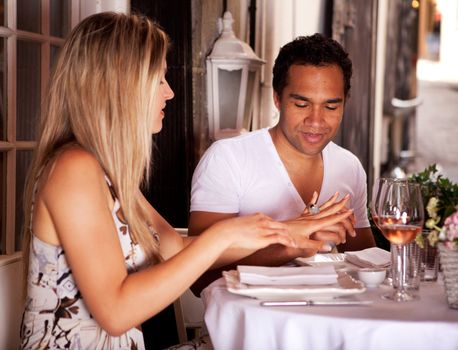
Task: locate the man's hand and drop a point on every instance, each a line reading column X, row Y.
column 330, row 224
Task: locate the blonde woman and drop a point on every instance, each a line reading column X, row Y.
column 99, row 259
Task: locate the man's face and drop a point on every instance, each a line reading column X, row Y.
column 311, row 106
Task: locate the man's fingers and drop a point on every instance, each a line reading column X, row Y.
column 282, row 238
column 327, row 236
column 314, row 197
column 305, row 243
column 349, row 225
column 332, row 208
column 330, row 201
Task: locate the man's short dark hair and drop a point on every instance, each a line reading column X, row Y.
column 315, row 50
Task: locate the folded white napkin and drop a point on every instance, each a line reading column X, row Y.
column 261, row 275
column 370, row 257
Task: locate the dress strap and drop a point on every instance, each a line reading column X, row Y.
column 110, row 187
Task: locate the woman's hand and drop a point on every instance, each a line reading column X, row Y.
column 253, row 232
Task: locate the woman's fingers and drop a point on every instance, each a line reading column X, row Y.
column 305, row 226
column 258, row 231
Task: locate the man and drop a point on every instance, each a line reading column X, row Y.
column 276, row 171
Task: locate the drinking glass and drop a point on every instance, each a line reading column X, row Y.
column 377, row 190
column 401, row 219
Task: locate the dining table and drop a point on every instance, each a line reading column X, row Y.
column 237, row 322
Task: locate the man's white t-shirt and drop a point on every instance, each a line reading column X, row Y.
column 245, row 175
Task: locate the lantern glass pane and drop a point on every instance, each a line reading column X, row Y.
column 249, row 100
column 229, row 91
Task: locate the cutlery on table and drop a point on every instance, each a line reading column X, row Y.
column 314, row 302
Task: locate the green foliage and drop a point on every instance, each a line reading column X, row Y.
column 434, row 185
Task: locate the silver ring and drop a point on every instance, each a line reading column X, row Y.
column 314, row 209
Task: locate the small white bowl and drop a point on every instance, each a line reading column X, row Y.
column 372, row 277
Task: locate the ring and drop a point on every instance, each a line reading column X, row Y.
column 314, row 209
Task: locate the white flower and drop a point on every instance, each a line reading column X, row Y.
column 431, row 208
column 430, row 223
column 442, row 234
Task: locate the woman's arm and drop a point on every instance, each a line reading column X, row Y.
column 75, row 196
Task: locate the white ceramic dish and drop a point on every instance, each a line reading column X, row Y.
column 346, row 285
column 372, row 277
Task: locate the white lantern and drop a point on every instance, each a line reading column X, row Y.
column 232, row 81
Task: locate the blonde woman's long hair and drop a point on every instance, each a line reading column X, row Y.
column 100, row 96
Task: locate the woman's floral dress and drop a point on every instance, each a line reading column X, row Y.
column 55, row 315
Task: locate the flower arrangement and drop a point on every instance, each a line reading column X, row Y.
column 449, row 232
column 440, row 196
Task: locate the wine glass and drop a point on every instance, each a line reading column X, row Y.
column 378, row 190
column 401, row 219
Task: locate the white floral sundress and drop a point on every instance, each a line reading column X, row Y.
column 55, row 315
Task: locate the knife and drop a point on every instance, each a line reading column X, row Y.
column 314, row 302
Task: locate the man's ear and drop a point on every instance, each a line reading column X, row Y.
column 277, row 101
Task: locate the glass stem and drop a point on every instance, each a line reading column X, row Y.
column 402, row 256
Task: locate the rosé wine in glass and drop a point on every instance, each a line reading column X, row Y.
column 401, row 218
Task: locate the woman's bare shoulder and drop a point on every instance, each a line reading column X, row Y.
column 72, row 181
column 76, row 158
column 73, row 167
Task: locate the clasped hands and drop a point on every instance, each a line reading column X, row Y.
column 324, row 228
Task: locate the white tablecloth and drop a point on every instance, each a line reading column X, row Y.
column 235, row 322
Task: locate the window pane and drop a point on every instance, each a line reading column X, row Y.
column 28, row 89
column 29, row 15
column 60, row 17
column 3, row 201
column 3, row 88
column 3, row 22
column 23, row 159
column 54, row 54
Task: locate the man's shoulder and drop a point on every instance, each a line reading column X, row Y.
column 245, row 142
column 338, row 152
